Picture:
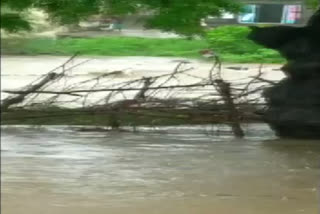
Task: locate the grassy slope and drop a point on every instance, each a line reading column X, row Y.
column 128, row 46
column 108, row 46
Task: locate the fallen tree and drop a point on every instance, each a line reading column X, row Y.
column 153, row 100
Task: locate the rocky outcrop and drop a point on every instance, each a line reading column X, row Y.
column 294, row 104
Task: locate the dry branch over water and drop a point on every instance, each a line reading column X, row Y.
column 108, row 100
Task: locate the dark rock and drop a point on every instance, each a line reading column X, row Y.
column 294, row 103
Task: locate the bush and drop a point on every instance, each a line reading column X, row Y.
column 232, row 40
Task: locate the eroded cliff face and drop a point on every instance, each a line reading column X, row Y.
column 294, row 104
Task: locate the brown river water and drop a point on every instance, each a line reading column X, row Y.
column 170, row 170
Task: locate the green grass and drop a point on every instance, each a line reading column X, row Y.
column 107, row 46
column 229, row 42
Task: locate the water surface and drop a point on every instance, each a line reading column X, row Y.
column 180, row 171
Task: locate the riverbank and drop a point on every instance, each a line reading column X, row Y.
column 128, row 46
column 104, row 46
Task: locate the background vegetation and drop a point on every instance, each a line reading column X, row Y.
column 182, row 17
column 229, row 42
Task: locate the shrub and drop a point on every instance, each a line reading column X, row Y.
column 232, row 40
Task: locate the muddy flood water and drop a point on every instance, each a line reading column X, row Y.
column 182, row 170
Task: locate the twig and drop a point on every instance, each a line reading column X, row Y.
column 21, row 97
column 111, row 89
